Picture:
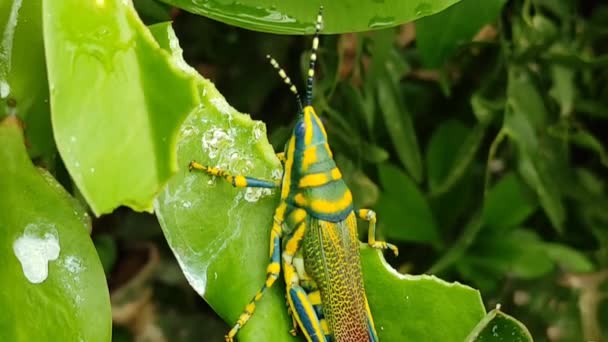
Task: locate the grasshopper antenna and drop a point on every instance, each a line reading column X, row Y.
column 287, row 81
column 313, row 57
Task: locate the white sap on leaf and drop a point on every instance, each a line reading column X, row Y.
column 215, row 139
column 258, row 130
column 5, row 89
column 277, row 174
column 73, row 284
column 72, row 264
column 238, row 163
column 188, row 130
column 8, row 36
column 254, row 194
column 35, row 248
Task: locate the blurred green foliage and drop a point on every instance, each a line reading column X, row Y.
column 489, row 169
column 478, row 134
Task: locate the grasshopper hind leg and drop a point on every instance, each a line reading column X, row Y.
column 306, row 309
column 272, row 273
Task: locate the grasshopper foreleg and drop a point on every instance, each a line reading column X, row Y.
column 370, row 216
column 237, row 181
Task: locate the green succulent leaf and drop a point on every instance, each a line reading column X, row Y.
column 498, row 326
column 420, row 307
column 23, row 83
column 53, row 285
column 110, row 81
column 298, row 17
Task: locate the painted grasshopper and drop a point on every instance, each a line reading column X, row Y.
column 315, row 228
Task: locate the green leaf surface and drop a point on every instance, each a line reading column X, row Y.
column 568, row 258
column 403, row 210
column 220, row 234
column 438, row 36
column 498, row 326
column 525, row 115
column 420, row 307
column 53, row 285
column 298, row 17
column 451, row 151
column 400, row 126
column 508, row 203
column 442, row 149
column 110, row 84
column 525, row 98
column 519, row 252
column 563, row 90
column 23, row 83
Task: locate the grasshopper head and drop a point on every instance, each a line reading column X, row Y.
column 309, row 129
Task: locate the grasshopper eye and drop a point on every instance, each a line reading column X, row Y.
column 300, row 128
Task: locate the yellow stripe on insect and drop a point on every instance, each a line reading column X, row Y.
column 321, row 178
column 324, row 206
column 330, row 207
column 240, row 181
column 293, row 243
column 308, row 117
column 335, row 174
column 273, row 268
column 288, row 166
column 315, row 179
column 310, row 157
column 324, row 326
column 299, row 215
column 315, row 298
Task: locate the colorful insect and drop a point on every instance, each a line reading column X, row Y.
column 314, row 232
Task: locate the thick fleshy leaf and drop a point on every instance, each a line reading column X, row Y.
column 498, row 326
column 298, row 17
column 439, row 35
column 53, row 285
column 23, row 83
column 219, row 234
column 418, row 308
column 110, row 83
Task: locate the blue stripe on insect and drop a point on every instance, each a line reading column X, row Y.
column 309, row 321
